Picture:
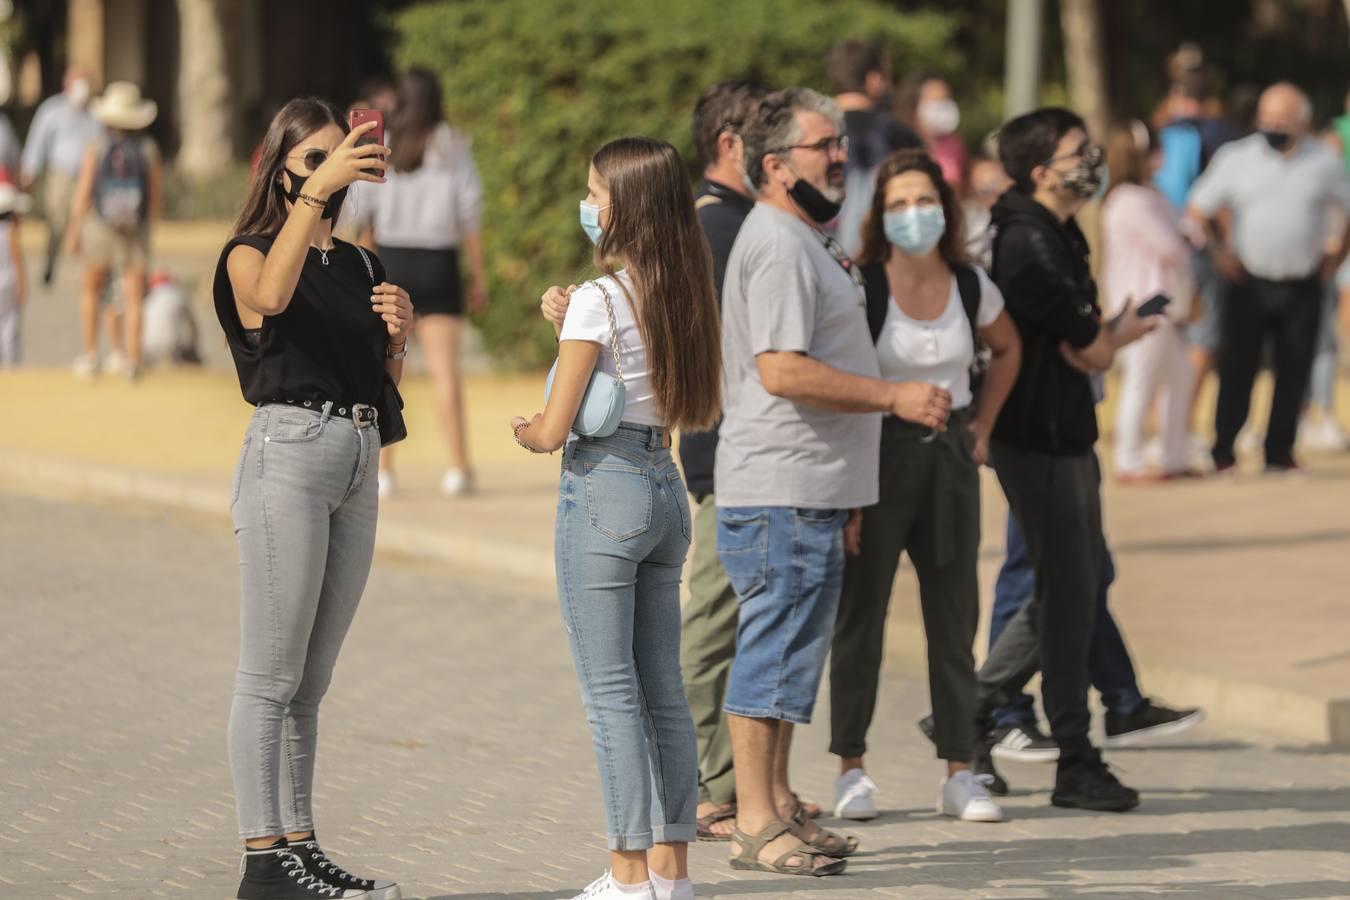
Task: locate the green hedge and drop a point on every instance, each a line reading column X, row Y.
column 542, row 84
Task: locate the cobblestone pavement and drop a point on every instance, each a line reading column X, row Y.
column 455, row 756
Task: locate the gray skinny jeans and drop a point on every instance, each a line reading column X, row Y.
column 304, row 504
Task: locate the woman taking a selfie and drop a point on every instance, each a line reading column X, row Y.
column 318, row 340
column 648, row 324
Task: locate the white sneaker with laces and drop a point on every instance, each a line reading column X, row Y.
column 456, row 483
column 386, row 484
column 86, row 365
column 965, row 796
column 606, row 888
column 853, row 793
column 1324, row 434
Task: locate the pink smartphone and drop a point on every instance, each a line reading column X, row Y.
column 375, row 135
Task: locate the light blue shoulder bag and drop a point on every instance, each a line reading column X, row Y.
column 602, row 405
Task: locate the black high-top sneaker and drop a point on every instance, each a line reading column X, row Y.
column 323, row 868
column 278, row 873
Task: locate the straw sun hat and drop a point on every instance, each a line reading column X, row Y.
column 123, row 107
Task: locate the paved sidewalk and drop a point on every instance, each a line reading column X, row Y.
column 1231, row 593
column 455, row 756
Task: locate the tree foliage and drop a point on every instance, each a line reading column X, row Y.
column 541, row 84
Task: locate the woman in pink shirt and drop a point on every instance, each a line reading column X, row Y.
column 1145, row 254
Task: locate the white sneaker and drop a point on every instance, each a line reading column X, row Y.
column 116, row 364
column 1324, row 434
column 1199, row 453
column 456, row 483
column 86, row 365
column 853, row 792
column 965, row 796
column 606, row 888
column 387, row 485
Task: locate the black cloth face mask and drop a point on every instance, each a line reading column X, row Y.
column 298, row 185
column 1278, row 140
column 812, row 202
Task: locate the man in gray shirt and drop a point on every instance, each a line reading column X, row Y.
column 798, row 453
column 1278, row 186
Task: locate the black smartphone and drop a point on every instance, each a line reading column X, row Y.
column 1154, row 305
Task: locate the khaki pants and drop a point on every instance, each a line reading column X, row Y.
column 707, row 647
column 58, row 191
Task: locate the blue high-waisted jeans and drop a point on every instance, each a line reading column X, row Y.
column 622, row 534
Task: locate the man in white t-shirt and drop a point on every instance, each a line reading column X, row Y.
column 798, row 454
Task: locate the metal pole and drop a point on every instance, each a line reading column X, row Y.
column 1022, row 77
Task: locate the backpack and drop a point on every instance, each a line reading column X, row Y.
column 121, row 185
column 967, row 285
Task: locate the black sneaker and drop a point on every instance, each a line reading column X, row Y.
column 323, row 868
column 277, row 873
column 1149, row 721
column 1089, row 784
column 1023, row 743
column 982, row 764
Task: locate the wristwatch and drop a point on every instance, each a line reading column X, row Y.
column 397, row 354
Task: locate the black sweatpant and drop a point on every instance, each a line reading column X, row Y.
column 929, row 508
column 1289, row 312
column 1057, row 502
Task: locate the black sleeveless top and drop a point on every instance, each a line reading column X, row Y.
column 328, row 344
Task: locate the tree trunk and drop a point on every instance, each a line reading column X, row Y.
column 1082, row 25
column 206, row 99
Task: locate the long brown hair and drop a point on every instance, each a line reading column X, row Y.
column 1127, row 154
column 654, row 231
column 952, row 244
column 264, row 209
column 416, row 116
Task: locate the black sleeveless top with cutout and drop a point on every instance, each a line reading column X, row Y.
column 328, row 344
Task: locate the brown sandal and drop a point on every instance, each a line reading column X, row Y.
column 827, row 842
column 704, row 824
column 752, row 846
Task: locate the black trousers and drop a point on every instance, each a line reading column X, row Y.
column 1057, row 502
column 1288, row 312
column 930, row 509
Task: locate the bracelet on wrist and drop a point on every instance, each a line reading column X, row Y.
column 516, row 434
column 312, row 201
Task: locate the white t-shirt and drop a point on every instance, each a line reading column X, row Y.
column 937, row 351
column 587, row 320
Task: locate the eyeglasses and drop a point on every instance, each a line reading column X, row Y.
column 313, row 159
column 841, row 256
column 1088, row 152
column 829, row 145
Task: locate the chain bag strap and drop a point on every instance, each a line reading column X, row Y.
column 389, row 409
column 602, row 405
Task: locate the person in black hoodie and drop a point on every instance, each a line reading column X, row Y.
column 1043, row 443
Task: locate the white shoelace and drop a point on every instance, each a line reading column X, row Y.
column 596, row 888
column 295, row 867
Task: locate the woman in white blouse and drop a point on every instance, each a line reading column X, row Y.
column 422, row 217
column 926, row 305
column 1144, row 253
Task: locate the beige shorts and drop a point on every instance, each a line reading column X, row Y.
column 101, row 245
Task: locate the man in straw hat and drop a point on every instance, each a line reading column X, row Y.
column 12, row 205
column 116, row 204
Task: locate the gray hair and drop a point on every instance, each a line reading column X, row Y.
column 774, row 125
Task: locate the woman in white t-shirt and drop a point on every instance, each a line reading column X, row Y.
column 926, row 304
column 623, row 526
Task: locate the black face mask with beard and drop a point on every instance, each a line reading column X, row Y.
column 1278, row 140
column 330, row 211
column 811, row 201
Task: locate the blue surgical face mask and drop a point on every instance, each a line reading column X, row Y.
column 915, row 230
column 590, row 221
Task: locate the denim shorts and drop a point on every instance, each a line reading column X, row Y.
column 787, row 566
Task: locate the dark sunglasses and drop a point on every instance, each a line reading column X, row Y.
column 313, row 159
